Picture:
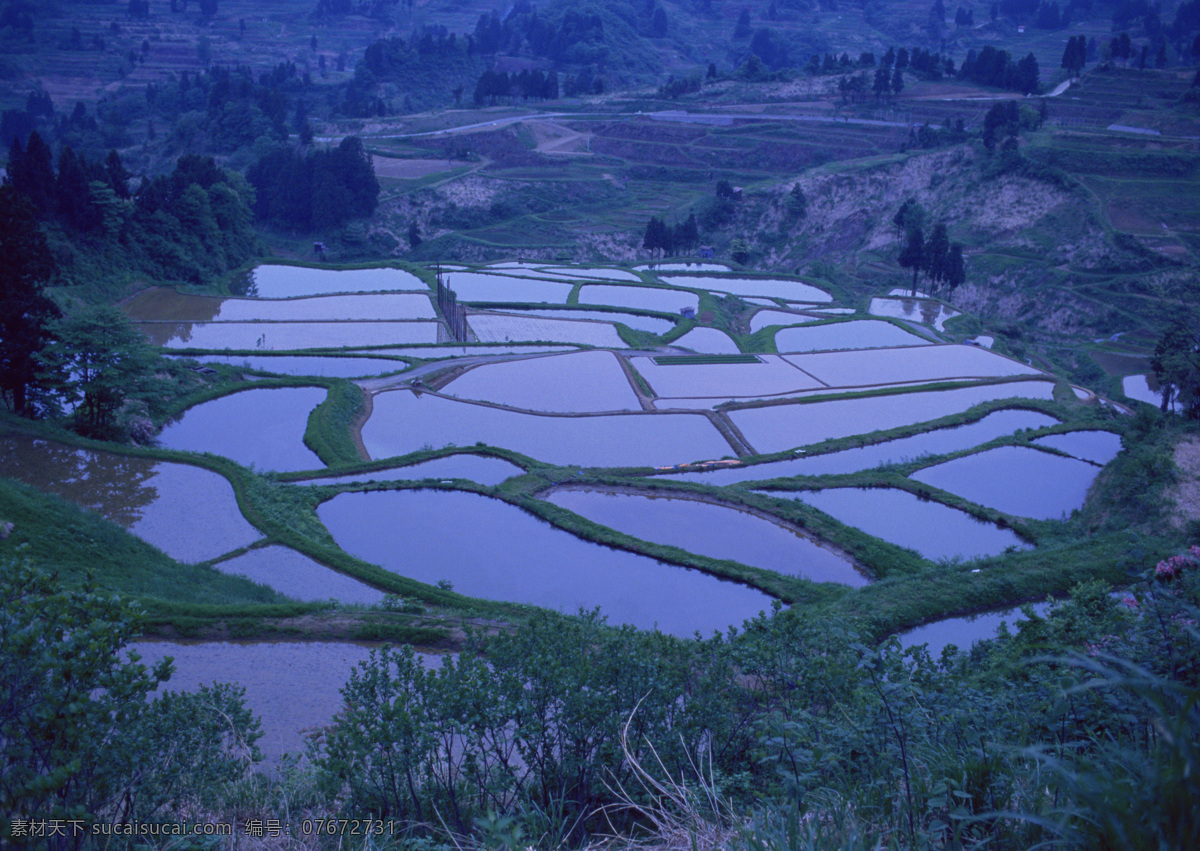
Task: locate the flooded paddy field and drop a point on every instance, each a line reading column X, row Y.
column 293, row 687
column 283, row 336
column 269, row 433
column 476, row 468
column 778, row 427
column 854, row 334
column 512, row 555
column 1016, row 480
column 708, row 341
column 934, row 530
column 639, row 298
column 501, row 327
column 327, row 367
column 924, row 311
column 188, row 512
column 298, row 576
column 768, row 287
column 170, row 306
column 653, row 324
column 292, row 281
column 582, row 382
column 936, row 442
column 581, row 411
column 403, row 423
column 717, row 531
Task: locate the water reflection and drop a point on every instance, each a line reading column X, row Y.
column 262, row 428
column 490, row 549
column 1016, row 480
column 298, row 576
column 188, row 512
column 938, row 442
column 294, row 688
column 934, row 530
column 717, row 531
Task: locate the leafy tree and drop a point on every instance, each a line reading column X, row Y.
column 912, row 255
column 96, row 362
column 1176, row 365
column 797, row 203
column 79, row 739
column 26, row 265
column 31, row 172
column 937, row 254
column 742, row 29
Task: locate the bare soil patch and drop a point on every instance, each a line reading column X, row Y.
column 408, row 169
column 1186, row 493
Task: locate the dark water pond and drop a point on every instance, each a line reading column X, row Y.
column 496, row 551
column 1016, row 480
column 934, row 530
column 293, row 687
column 263, row 428
column 716, row 531
column 402, row 423
column 187, row 512
column 937, row 442
column 298, row 576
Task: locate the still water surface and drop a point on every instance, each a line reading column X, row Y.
column 490, row 549
column 187, row 512
column 937, row 442
column 261, row 427
column 1016, row 480
column 293, row 687
column 402, row 423
column 717, row 531
column 934, row 530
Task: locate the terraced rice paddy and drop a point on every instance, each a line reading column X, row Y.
column 592, row 414
column 934, row 530
column 263, row 428
column 937, row 442
column 925, row 311
column 328, row 367
column 706, row 340
column 292, row 281
column 769, row 287
column 716, row 531
column 511, row 555
column 403, row 423
column 639, row 298
column 476, row 468
column 187, row 512
column 779, row 427
column 575, row 383
column 855, row 334
column 502, row 327
column 285, row 336
column 297, row 575
column 1016, row 480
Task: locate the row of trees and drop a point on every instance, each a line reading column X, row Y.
column 939, row 259
column 315, row 190
column 995, row 67
column 496, row 86
column 671, row 240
